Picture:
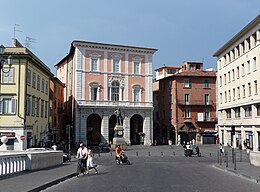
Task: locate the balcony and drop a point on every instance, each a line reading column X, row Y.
column 195, row 102
column 89, row 103
column 213, row 119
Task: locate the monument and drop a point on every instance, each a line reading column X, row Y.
column 118, row 131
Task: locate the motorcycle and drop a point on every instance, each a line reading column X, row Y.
column 122, row 159
column 190, row 152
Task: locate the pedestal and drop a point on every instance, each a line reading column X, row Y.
column 119, row 137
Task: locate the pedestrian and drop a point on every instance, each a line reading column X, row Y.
column 82, row 158
column 221, row 148
column 54, row 147
column 90, row 163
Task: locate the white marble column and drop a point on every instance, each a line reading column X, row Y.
column 105, row 129
column 146, row 130
column 127, row 130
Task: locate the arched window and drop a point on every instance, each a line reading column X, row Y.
column 115, row 91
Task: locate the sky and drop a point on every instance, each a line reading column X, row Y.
column 181, row 30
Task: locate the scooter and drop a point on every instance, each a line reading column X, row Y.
column 123, row 159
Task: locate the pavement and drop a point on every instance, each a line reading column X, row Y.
column 35, row 181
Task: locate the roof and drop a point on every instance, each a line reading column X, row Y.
column 196, row 73
column 114, row 47
column 238, row 36
column 168, row 67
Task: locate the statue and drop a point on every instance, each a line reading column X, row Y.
column 119, row 118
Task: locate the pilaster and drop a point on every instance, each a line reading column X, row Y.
column 105, row 129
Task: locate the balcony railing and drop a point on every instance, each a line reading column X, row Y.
column 195, row 102
column 207, row 120
column 83, row 103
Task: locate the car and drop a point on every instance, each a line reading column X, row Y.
column 38, row 149
column 66, row 157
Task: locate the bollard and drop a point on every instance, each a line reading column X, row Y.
column 218, row 155
column 240, row 155
column 209, row 154
column 149, row 154
column 226, row 159
column 232, row 155
column 235, row 162
column 173, row 153
column 220, row 158
column 111, row 154
column 136, row 153
column 161, row 153
column 99, row 154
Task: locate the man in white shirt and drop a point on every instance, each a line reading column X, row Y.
column 82, row 158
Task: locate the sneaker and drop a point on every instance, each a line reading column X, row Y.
column 96, row 172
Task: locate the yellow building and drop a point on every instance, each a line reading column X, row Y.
column 24, row 103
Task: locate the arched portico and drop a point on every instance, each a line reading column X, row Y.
column 136, row 130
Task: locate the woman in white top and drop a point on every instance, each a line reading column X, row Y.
column 90, row 164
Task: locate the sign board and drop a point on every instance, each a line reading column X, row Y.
column 7, row 134
column 22, row 137
column 200, row 116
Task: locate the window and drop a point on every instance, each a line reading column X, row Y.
column 249, row 89
column 220, row 81
column 37, row 108
column 187, row 99
column 238, row 73
column 46, row 109
column 244, row 90
column 237, row 112
column 28, row 77
column 234, row 94
column 115, row 91
column 229, row 79
column 206, row 83
column 116, row 62
column 187, row 83
column 43, row 85
column 46, row 88
column 228, row 111
column 221, row 99
column 233, row 75
column 229, row 95
column 8, row 77
column 38, row 82
column 255, row 82
column 94, row 64
column 258, row 110
column 28, row 104
column 238, row 92
column 243, row 69
column 137, row 93
column 248, row 66
column 225, row 96
column 94, row 93
column 248, row 111
column 42, row 107
column 7, row 106
column 187, row 113
column 207, row 114
column 33, row 106
column 206, row 96
column 254, row 63
column 137, row 65
column 225, row 79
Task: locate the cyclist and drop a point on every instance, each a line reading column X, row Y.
column 82, row 159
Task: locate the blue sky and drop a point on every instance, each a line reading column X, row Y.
column 183, row 30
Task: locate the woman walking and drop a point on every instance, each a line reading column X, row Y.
column 90, row 164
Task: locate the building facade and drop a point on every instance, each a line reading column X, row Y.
column 24, row 101
column 238, row 88
column 187, row 105
column 100, row 78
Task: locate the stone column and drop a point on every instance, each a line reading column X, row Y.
column 83, row 129
column 105, row 129
column 127, row 130
column 146, row 130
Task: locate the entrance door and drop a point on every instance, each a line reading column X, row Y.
column 94, row 129
column 136, row 130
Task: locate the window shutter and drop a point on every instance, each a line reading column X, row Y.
column 1, row 106
column 13, row 106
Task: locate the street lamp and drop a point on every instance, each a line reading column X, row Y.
column 2, row 61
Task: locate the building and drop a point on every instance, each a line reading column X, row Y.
column 24, row 101
column 187, row 105
column 238, row 88
column 57, row 132
column 100, row 78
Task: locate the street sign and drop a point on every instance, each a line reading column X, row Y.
column 22, row 137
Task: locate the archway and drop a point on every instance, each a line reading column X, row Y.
column 112, row 124
column 136, row 130
column 94, row 129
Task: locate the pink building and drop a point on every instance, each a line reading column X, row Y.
column 99, row 78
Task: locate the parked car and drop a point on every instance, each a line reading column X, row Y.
column 38, row 149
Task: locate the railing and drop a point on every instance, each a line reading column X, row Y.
column 207, row 120
column 195, row 102
column 10, row 164
column 114, row 103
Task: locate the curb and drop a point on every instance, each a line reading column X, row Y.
column 253, row 179
column 51, row 183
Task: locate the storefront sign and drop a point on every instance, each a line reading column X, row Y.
column 7, row 134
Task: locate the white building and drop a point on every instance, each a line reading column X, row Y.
column 238, row 88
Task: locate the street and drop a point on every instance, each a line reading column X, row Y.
column 158, row 172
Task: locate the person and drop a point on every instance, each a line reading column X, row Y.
column 82, row 158
column 188, row 152
column 221, row 148
column 90, row 164
column 118, row 152
column 54, row 147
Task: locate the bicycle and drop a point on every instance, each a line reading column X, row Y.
column 81, row 167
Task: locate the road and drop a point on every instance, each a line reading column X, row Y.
column 155, row 174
